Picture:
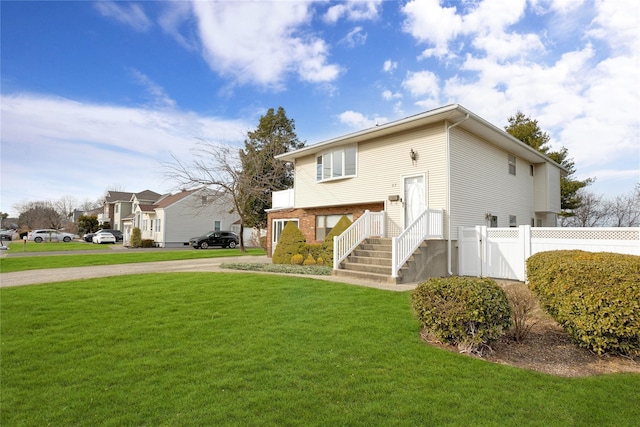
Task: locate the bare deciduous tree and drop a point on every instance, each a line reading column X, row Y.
column 624, row 211
column 596, row 211
column 218, row 168
column 590, row 213
column 35, row 215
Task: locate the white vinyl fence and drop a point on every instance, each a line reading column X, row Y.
column 501, row 253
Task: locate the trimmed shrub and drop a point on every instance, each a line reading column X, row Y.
column 315, row 250
column 327, row 246
column 297, row 259
column 320, row 261
column 464, row 311
column 291, row 242
column 136, row 238
column 595, row 297
column 309, row 260
column 147, row 243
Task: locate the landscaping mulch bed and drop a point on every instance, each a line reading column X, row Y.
column 548, row 349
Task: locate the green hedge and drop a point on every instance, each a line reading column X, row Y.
column 594, row 296
column 464, row 311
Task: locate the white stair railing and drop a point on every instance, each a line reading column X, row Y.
column 429, row 225
column 369, row 224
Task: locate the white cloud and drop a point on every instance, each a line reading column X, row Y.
column 586, row 96
column 262, row 42
column 159, row 97
column 132, row 14
column 387, row 95
column 355, row 37
column 357, row 10
column 616, row 23
column 389, row 66
column 422, row 83
column 359, row 121
column 174, row 20
column 429, row 23
column 83, row 148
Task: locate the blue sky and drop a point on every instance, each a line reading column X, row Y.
column 97, row 95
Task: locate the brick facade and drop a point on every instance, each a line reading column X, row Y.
column 307, row 218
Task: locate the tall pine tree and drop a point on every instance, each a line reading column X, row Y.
column 264, row 174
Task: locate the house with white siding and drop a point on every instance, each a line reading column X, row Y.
column 413, row 182
column 172, row 219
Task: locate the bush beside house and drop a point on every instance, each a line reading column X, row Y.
column 595, row 297
column 293, row 243
column 136, row 238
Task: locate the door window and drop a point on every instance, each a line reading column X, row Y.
column 414, row 198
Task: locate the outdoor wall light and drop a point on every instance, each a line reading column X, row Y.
column 414, row 155
column 394, row 198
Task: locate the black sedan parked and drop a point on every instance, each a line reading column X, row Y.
column 225, row 239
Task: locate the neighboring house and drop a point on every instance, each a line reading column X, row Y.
column 463, row 168
column 118, row 205
column 174, row 218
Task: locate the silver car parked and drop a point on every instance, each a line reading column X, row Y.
column 50, row 235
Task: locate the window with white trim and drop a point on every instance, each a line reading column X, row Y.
column 512, row 164
column 513, row 221
column 336, row 164
column 325, row 223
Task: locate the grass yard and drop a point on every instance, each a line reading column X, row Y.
column 229, row 349
column 20, row 246
column 11, row 264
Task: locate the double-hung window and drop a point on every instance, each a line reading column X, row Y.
column 336, row 164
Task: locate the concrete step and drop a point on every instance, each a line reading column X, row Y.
column 371, row 277
column 369, row 260
column 371, row 254
column 366, row 268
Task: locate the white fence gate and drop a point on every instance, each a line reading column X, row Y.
column 502, row 253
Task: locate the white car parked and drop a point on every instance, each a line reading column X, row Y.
column 103, row 237
column 50, row 235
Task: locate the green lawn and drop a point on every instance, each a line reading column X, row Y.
column 11, row 264
column 29, row 246
column 229, row 349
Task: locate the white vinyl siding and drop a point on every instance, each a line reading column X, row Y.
column 547, row 196
column 381, row 165
column 482, row 185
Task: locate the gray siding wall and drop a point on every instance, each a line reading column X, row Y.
column 188, row 218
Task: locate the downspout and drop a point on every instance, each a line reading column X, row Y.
column 449, row 194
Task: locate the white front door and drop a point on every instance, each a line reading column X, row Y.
column 414, row 198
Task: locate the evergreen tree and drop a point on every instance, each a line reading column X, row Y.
column 263, row 174
column 528, row 131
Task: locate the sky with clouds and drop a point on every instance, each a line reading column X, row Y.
column 99, row 95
